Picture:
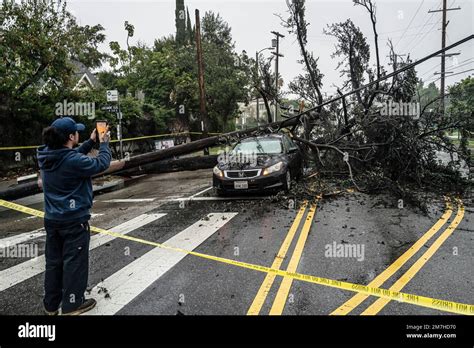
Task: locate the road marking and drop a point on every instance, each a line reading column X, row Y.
column 25, row 270
column 284, row 289
column 230, row 198
column 26, row 218
column 201, row 192
column 93, row 216
column 378, row 305
column 262, row 293
column 22, row 237
column 128, row 200
column 417, row 300
column 357, row 299
column 27, row 236
column 140, row 200
column 130, row 281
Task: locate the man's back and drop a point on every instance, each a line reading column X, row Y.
column 66, row 175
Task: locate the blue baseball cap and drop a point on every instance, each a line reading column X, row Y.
column 67, row 125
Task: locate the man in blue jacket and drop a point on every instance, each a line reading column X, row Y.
column 66, row 174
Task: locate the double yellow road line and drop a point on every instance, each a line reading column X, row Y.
column 378, row 305
column 284, row 289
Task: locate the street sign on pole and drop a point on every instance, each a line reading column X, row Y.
column 112, row 95
column 109, row 108
column 119, row 132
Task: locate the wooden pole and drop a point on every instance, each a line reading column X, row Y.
column 202, row 91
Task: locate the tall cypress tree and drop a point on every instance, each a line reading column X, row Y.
column 180, row 20
column 189, row 28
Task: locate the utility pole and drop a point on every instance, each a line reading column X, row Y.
column 257, row 78
column 443, row 45
column 276, row 44
column 202, row 91
column 256, row 74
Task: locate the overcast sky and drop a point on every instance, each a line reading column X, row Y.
column 412, row 29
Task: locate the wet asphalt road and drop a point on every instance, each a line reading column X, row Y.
column 374, row 225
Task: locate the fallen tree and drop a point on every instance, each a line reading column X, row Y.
column 361, row 140
column 172, row 165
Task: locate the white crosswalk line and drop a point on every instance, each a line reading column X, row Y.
column 25, row 270
column 27, row 236
column 22, row 237
column 127, row 283
column 129, row 200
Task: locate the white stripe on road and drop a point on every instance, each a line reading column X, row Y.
column 129, row 200
column 200, row 192
column 93, row 216
column 26, row 218
column 229, row 198
column 27, row 236
column 25, row 270
column 22, row 237
column 127, row 283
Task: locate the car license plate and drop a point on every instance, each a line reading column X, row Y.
column 241, row 185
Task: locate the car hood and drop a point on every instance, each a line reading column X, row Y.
column 258, row 162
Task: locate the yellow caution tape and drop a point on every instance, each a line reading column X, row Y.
column 19, row 147
column 112, row 141
column 159, row 136
column 442, row 305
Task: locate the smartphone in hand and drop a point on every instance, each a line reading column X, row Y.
column 101, row 127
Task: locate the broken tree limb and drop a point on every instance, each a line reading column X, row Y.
column 385, row 77
column 172, row 165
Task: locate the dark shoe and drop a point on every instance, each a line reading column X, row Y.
column 51, row 313
column 85, row 307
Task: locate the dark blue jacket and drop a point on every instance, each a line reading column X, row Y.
column 66, row 175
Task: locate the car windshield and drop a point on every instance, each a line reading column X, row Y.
column 264, row 146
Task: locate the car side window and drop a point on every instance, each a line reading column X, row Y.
column 286, row 143
column 290, row 144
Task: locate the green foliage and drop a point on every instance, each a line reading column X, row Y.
column 167, row 75
column 39, row 40
column 190, row 30
column 461, row 110
column 427, row 94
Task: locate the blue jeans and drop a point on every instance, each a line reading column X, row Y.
column 67, row 264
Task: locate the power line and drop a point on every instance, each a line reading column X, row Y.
column 394, row 31
column 370, row 84
column 466, row 62
column 411, row 21
column 457, row 66
column 444, row 24
column 426, row 22
column 415, row 43
column 459, row 73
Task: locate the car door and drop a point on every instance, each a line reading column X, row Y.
column 291, row 154
column 296, row 156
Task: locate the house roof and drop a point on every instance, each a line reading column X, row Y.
column 82, row 72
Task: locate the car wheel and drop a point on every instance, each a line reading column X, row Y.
column 287, row 183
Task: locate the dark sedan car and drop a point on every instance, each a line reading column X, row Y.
column 267, row 162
